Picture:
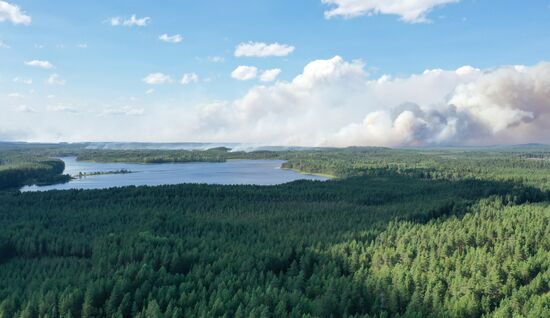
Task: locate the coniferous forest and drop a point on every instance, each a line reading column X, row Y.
column 397, row 233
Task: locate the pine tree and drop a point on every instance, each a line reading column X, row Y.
column 153, row 310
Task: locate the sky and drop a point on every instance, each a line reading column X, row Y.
column 303, row 73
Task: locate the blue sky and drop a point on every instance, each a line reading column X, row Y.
column 100, row 65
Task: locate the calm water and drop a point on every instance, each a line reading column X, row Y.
column 260, row 172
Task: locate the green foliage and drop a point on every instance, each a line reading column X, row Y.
column 17, row 170
column 402, row 233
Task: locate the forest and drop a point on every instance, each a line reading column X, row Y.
column 399, row 233
column 18, row 169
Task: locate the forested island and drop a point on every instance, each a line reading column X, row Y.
column 399, row 233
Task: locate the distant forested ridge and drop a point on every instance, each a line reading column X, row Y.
column 400, row 233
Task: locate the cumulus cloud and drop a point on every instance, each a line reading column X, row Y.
column 260, row 49
column 176, row 38
column 189, row 78
column 40, row 64
column 515, row 98
column 157, row 79
column 132, row 21
column 3, row 45
column 506, row 105
column 270, row 75
column 13, row 13
column 55, row 79
column 334, row 103
column 411, row 11
column 245, row 73
column 82, row 45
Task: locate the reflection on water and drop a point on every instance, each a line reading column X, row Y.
column 259, row 172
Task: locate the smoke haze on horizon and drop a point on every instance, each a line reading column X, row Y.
column 334, row 102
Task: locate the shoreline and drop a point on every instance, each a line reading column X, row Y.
column 325, row 175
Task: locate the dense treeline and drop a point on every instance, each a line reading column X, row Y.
column 17, row 170
column 402, row 233
column 91, row 152
column 522, row 165
column 151, row 156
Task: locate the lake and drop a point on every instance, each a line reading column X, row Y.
column 258, row 172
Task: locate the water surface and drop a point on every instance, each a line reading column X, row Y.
column 259, row 172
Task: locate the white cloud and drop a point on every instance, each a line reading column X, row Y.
column 3, row 45
column 176, row 38
column 15, row 95
column 157, row 79
column 115, row 21
column 189, row 78
column 507, row 98
column 411, row 11
column 334, row 103
column 125, row 110
column 25, row 109
column 82, row 45
column 55, row 79
column 216, row 59
column 22, row 80
column 150, row 91
column 132, row 21
column 245, row 73
column 40, row 64
column 270, row 75
column 467, row 70
column 12, row 13
column 62, row 109
column 260, row 49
